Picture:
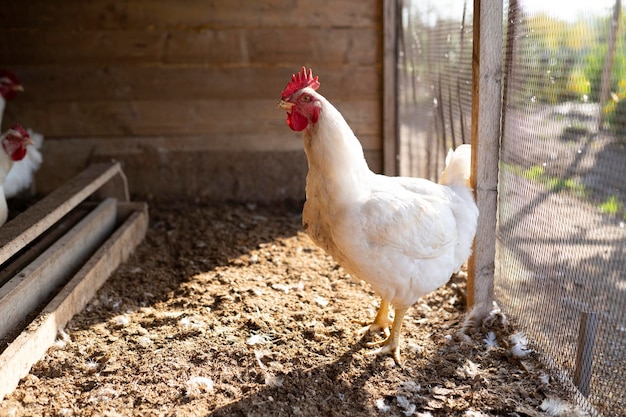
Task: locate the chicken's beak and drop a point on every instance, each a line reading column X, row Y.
column 285, row 105
column 18, row 87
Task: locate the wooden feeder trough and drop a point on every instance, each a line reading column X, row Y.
column 55, row 256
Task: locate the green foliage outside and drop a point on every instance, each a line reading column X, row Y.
column 612, row 205
column 564, row 60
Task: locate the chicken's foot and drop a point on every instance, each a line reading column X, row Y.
column 380, row 323
column 392, row 343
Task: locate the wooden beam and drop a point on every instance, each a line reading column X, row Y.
column 181, row 117
column 390, row 88
column 116, row 187
column 192, row 81
column 19, row 232
column 31, row 345
column 584, row 352
column 152, row 49
column 486, row 108
column 30, row 253
column 33, row 285
column 607, row 69
column 170, row 15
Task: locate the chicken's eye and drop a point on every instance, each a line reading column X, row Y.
column 306, row 99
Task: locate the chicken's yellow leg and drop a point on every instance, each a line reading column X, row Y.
column 392, row 343
column 381, row 322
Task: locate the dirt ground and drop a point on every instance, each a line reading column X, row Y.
column 230, row 310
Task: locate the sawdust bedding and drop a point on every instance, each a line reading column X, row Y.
column 230, row 310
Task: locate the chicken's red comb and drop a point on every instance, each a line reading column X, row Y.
column 8, row 76
column 299, row 81
column 17, row 132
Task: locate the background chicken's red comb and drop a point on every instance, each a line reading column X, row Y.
column 9, row 76
column 299, row 81
column 17, row 131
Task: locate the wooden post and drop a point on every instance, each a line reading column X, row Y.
column 584, row 354
column 390, row 88
column 486, row 108
column 608, row 62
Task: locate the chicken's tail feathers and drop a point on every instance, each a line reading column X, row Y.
column 458, row 167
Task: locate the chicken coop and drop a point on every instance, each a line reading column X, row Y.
column 157, row 263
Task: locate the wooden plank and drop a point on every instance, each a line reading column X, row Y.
column 183, row 82
column 24, row 292
column 190, row 14
column 390, row 88
column 35, row 47
column 178, row 117
column 28, row 255
column 607, row 69
column 486, row 108
column 31, row 345
column 26, row 227
column 583, row 370
column 85, row 149
column 116, row 187
column 127, row 208
column 324, row 46
column 191, row 165
column 209, row 47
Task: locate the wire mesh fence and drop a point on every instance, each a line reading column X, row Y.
column 434, row 82
column 561, row 239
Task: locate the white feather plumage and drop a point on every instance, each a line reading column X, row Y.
column 520, row 345
column 404, row 236
column 21, row 175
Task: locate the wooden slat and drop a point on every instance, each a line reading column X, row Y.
column 85, row 148
column 583, row 370
column 24, row 292
column 191, row 14
column 127, row 208
column 26, row 227
column 28, row 255
column 390, row 88
column 31, row 345
column 35, row 47
column 179, row 117
column 486, row 108
column 213, row 167
column 324, row 46
column 173, row 83
column 607, row 68
column 216, row 48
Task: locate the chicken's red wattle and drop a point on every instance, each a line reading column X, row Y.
column 19, row 154
column 296, row 121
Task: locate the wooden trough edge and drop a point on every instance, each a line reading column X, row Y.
column 32, row 286
column 30, row 346
column 103, row 178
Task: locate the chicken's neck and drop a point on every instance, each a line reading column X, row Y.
column 337, row 166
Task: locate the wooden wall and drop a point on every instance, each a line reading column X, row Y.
column 184, row 92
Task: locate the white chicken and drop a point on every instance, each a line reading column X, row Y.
column 14, row 145
column 404, row 236
column 21, row 175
